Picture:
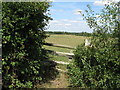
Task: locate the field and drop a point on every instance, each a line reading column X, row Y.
column 53, row 48
column 62, row 40
column 70, row 40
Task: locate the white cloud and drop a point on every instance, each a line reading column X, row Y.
column 66, row 20
column 69, row 26
column 51, row 0
column 54, row 21
column 77, row 11
column 115, row 0
column 71, row 21
column 76, row 21
column 63, row 24
column 73, row 0
column 79, row 0
column 103, row 2
column 60, row 24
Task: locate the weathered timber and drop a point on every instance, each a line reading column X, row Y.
column 69, row 55
column 59, row 45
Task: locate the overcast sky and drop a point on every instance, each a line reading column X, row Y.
column 66, row 17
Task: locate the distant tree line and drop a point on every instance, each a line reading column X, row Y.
column 77, row 34
column 70, row 33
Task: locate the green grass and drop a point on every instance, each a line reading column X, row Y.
column 62, row 67
column 70, row 40
column 59, row 49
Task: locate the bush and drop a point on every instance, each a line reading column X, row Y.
column 23, row 36
column 97, row 66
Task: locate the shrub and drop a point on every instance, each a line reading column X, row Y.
column 23, row 36
column 97, row 66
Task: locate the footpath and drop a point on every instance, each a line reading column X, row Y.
column 61, row 81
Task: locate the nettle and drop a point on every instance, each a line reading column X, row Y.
column 23, row 26
column 98, row 66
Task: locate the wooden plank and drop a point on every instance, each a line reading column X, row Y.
column 67, row 54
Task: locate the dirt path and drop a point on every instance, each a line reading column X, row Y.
column 59, row 82
column 61, row 79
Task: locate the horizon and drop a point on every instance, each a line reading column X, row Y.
column 68, row 32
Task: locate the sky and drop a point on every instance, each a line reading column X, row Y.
column 67, row 18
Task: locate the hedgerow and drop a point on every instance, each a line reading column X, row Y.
column 98, row 65
column 23, row 25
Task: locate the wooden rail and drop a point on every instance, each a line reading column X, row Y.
column 69, row 55
column 59, row 45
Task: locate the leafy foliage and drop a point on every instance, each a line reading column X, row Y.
column 98, row 65
column 23, row 36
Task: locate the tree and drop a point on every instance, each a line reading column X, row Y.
column 23, row 36
column 98, row 66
